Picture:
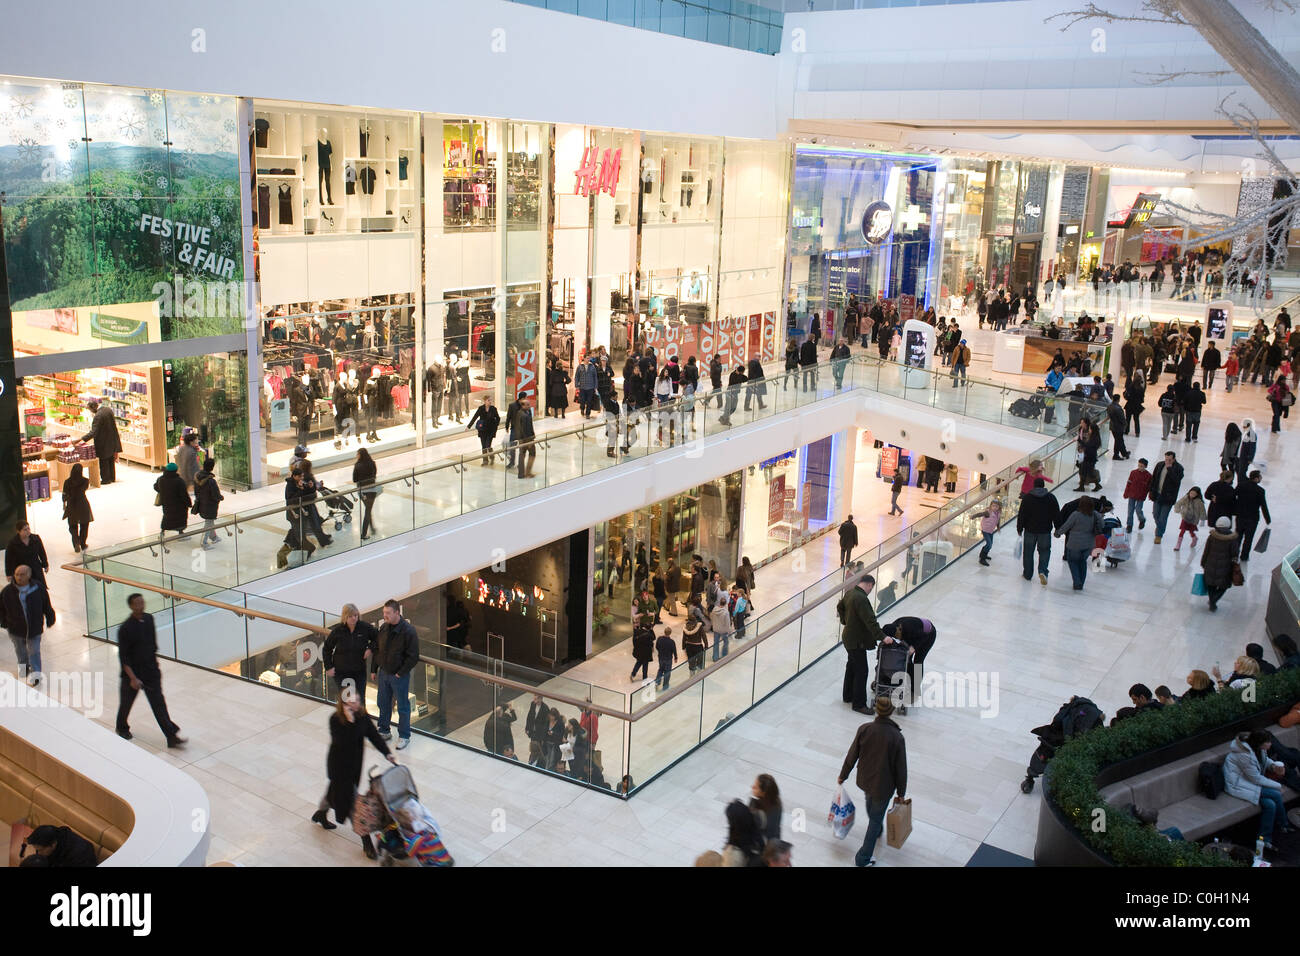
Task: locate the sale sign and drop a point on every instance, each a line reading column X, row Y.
column 526, row 373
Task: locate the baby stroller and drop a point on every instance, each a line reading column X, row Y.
column 338, row 508
column 1076, row 716
column 409, row 829
column 891, row 670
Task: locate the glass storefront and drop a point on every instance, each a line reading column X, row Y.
column 962, row 271
column 792, row 498
column 862, row 224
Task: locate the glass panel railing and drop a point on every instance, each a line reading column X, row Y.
column 253, row 544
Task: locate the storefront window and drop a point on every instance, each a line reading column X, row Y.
column 962, row 270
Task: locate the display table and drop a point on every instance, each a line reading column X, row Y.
column 1032, row 354
column 59, row 471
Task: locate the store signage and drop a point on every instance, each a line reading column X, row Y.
column 906, row 307
column 191, row 244
column 1072, row 230
column 779, row 458
column 776, row 500
column 56, row 320
column 526, row 373
column 803, row 222
column 598, row 173
column 877, row 222
column 280, row 415
column 1139, row 213
column 1033, row 210
column 888, row 461
column 110, row 328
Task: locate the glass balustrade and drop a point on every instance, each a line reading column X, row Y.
column 462, row 697
column 254, row 544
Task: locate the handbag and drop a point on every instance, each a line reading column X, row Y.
column 1262, row 544
column 1238, row 579
column 898, row 823
column 1198, row 585
column 367, row 812
column 157, row 499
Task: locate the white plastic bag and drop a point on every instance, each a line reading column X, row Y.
column 842, row 813
column 1020, row 546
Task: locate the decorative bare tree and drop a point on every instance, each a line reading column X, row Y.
column 1258, row 235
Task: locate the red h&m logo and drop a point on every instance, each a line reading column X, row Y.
column 598, row 173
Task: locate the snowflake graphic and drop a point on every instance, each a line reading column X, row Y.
column 24, row 106
column 162, row 182
column 158, row 134
column 61, row 123
column 228, row 192
column 155, row 97
column 132, row 125
column 205, row 100
column 6, row 119
column 228, row 126
column 29, row 151
column 165, row 246
column 71, row 100
column 214, row 221
column 73, row 145
column 227, row 248
column 135, row 194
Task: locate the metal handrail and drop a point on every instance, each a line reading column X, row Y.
column 850, row 580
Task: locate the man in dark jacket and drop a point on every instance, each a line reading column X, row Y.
column 174, row 500
column 347, row 650
column 25, row 612
column 1193, row 402
column 108, row 445
column 808, row 361
column 512, row 412
column 736, row 379
column 397, row 651
column 880, row 754
column 666, row 649
column 535, row 727
column 1210, row 363
column 1115, row 413
column 26, row 548
column 1250, row 503
column 1165, row 482
column 755, row 389
column 1036, row 521
column 525, row 438
column 643, row 649
column 498, row 735
column 137, row 651
column 848, row 539
column 715, row 376
column 861, row 634
column 840, row 362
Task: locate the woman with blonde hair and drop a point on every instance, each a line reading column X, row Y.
column 1244, row 671
column 347, row 650
column 1198, row 685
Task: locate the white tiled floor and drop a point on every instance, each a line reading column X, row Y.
column 260, row 754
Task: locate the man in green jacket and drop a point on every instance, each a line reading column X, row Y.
column 861, row 634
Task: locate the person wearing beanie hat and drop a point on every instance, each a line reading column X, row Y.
column 174, row 499
column 880, row 754
column 1219, row 559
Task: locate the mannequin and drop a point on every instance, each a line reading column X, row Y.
column 462, row 386
column 345, row 408
column 371, row 401
column 323, row 151
column 435, row 381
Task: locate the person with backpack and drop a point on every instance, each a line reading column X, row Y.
column 861, row 634
column 1168, row 410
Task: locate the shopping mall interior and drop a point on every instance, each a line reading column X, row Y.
column 647, row 398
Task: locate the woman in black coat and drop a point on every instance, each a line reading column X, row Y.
column 363, row 476
column 76, row 508
column 557, row 388
column 350, row 727
column 485, row 421
column 552, row 737
column 27, row 548
column 1221, row 498
column 791, row 363
column 173, row 498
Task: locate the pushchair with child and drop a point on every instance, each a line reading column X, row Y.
column 409, row 830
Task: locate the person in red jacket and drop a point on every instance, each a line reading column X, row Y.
column 1139, row 483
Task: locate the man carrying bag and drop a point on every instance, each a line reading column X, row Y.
column 880, row 754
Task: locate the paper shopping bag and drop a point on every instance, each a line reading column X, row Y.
column 1262, row 544
column 1198, row 585
column 898, row 823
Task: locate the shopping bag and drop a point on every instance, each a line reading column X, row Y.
column 367, row 812
column 1262, row 544
column 1117, row 548
column 841, row 816
column 1198, row 585
column 1020, row 546
column 898, row 823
